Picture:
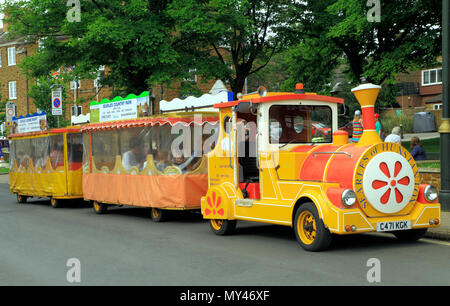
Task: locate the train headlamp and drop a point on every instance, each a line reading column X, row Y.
column 430, row 193
column 348, row 198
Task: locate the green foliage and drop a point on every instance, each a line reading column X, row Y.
column 42, row 96
column 133, row 39
column 233, row 38
column 391, row 120
column 408, row 36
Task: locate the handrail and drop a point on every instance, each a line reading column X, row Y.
column 335, row 152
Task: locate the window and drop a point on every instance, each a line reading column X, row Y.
column 100, row 76
column 437, row 106
column 300, row 124
column 73, row 84
column 76, row 110
column 11, row 56
column 192, row 76
column 432, row 77
column 12, row 90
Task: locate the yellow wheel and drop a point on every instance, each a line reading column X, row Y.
column 306, row 227
column 99, row 208
column 222, row 226
column 310, row 230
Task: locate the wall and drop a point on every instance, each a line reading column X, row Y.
column 431, row 176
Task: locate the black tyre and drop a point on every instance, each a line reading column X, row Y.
column 410, row 235
column 99, row 208
column 21, row 198
column 222, row 227
column 160, row 215
column 56, row 203
column 310, row 230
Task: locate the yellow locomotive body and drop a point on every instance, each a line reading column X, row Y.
column 270, row 166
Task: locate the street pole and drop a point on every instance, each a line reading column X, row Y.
column 444, row 129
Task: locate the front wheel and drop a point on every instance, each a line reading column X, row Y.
column 310, row 230
column 410, row 235
column 222, row 227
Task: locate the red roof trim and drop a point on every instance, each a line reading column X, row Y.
column 52, row 131
column 283, row 97
column 144, row 122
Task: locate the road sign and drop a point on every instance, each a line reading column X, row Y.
column 57, row 102
column 10, row 111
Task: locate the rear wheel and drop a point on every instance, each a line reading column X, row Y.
column 56, row 203
column 21, row 198
column 159, row 215
column 410, row 235
column 310, row 230
column 222, row 226
column 99, row 208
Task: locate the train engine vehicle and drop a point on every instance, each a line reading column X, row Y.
column 268, row 166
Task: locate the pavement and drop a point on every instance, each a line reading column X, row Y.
column 421, row 136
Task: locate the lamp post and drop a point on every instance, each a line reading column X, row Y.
column 444, row 129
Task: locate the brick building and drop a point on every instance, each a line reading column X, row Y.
column 420, row 88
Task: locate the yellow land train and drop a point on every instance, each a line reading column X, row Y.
column 290, row 165
column 47, row 164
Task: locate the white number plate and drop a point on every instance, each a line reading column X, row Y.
column 393, row 226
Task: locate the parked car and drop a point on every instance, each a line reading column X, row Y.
column 320, row 126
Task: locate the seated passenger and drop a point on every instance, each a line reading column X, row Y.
column 162, row 160
column 133, row 157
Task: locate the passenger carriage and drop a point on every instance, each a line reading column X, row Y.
column 152, row 162
column 46, row 164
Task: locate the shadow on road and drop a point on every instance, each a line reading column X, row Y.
column 356, row 242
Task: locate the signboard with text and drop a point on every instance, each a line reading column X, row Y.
column 131, row 107
column 30, row 123
column 57, row 102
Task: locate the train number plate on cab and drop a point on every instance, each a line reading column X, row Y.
column 393, row 226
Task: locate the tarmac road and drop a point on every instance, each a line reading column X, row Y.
column 124, row 247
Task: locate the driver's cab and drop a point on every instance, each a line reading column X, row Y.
column 261, row 139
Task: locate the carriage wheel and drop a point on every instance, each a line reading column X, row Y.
column 99, row 208
column 21, row 198
column 222, row 226
column 310, row 230
column 56, row 203
column 159, row 215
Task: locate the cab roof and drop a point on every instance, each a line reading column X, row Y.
column 280, row 96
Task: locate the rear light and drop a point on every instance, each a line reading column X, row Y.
column 350, row 228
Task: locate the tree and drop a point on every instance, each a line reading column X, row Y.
column 231, row 39
column 407, row 36
column 133, row 39
column 41, row 93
